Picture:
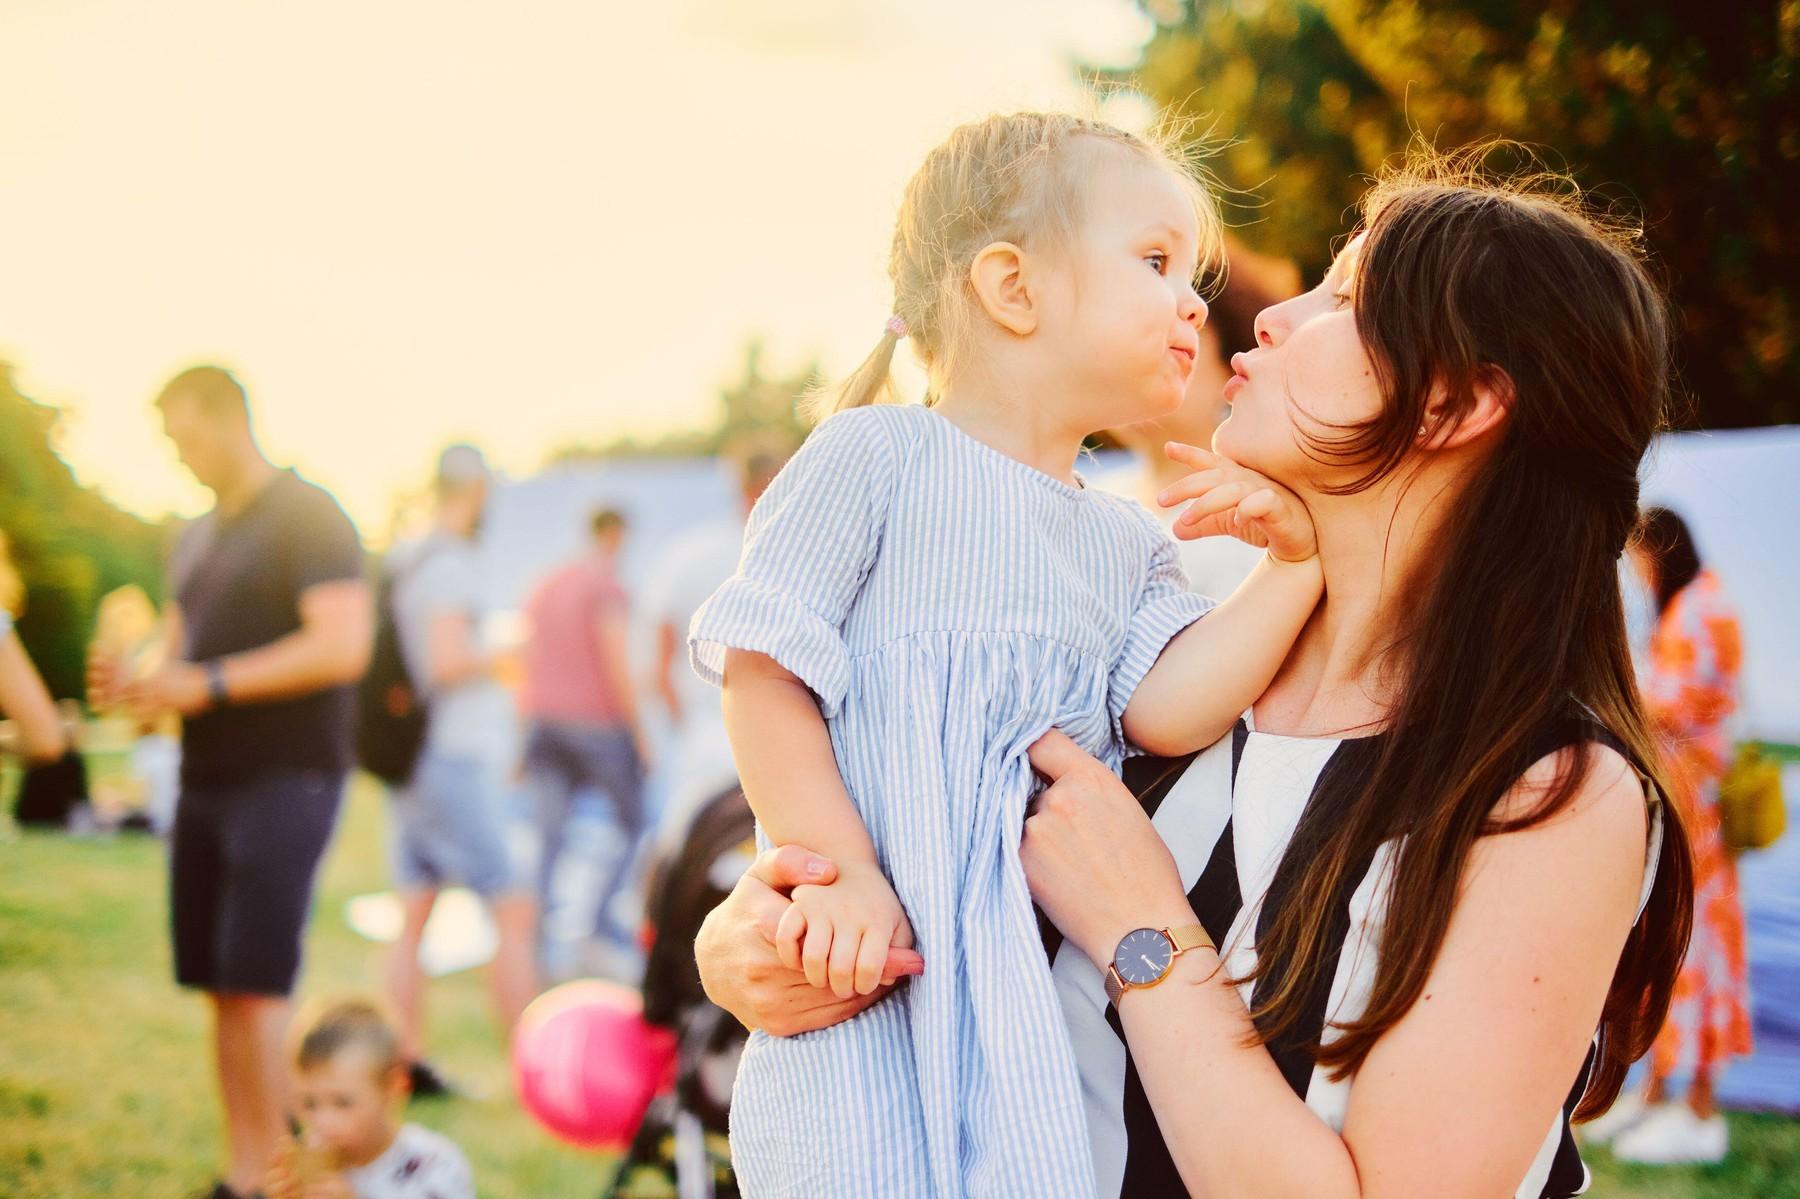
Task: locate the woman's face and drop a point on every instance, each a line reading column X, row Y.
column 1308, row 375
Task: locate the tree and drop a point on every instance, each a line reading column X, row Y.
column 756, row 407
column 69, row 544
column 1688, row 115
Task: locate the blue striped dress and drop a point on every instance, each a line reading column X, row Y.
column 947, row 604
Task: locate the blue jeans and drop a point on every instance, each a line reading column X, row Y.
column 450, row 826
column 563, row 759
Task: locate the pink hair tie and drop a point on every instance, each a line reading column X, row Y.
column 897, row 327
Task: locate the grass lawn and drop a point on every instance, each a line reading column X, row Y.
column 105, row 1087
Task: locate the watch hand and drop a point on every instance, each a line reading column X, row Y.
column 1147, row 961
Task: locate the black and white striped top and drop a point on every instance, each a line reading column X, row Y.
column 1228, row 814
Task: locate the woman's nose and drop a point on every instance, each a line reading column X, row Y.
column 1271, row 326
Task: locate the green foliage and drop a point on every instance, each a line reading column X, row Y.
column 106, row 1086
column 70, row 544
column 1688, row 116
column 756, row 407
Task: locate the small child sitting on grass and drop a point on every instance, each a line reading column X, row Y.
column 349, row 1084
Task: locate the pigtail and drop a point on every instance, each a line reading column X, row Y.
column 870, row 383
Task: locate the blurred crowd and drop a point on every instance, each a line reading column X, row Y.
column 565, row 765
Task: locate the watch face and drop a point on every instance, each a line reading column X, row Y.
column 1143, row 957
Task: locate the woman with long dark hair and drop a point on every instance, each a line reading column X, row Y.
column 1690, row 683
column 1424, row 906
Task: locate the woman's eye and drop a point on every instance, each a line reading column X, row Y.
column 1159, row 261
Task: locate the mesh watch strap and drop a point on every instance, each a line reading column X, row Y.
column 1189, row 936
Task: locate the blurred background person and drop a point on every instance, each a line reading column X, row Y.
column 259, row 664
column 1690, row 683
column 1214, row 565
column 350, row 1084
column 452, row 819
column 128, row 629
column 700, row 764
column 34, row 726
column 584, row 742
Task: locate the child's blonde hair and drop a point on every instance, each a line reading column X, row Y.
column 1008, row 178
column 327, row 1028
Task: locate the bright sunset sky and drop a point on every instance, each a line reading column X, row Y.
column 524, row 223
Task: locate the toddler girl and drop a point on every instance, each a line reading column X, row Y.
column 924, row 591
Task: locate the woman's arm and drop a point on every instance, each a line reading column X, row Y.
column 1456, row 1099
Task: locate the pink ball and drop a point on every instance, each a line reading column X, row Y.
column 586, row 1065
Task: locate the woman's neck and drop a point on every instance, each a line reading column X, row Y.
column 1027, row 428
column 1377, row 549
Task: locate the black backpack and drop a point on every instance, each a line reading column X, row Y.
column 390, row 711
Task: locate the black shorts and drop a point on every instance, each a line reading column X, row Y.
column 241, row 868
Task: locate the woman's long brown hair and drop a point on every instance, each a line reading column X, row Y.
column 1462, row 282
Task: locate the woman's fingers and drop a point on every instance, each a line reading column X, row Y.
column 788, row 866
column 790, row 935
column 815, row 955
column 1055, row 754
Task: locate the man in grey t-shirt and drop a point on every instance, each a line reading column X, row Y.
column 452, row 817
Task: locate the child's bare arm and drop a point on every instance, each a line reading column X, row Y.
column 1214, row 669
column 785, row 762
column 838, row 934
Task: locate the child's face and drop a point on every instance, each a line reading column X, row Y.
column 345, row 1103
column 1124, row 314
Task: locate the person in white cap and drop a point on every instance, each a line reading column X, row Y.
column 451, row 817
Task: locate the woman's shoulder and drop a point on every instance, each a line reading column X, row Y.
column 1599, row 842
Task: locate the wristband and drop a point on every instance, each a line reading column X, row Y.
column 215, row 683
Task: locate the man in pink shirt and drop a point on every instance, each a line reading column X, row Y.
column 584, row 732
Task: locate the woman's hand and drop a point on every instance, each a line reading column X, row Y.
column 741, row 970
column 1233, row 501
column 1093, row 860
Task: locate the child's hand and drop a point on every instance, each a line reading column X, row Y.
column 333, row 1186
column 282, row 1182
column 1231, row 500
column 839, row 934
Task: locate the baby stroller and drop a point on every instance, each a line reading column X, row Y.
column 681, row 1151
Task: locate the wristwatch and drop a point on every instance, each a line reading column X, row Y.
column 1146, row 955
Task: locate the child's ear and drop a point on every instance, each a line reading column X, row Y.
column 998, row 278
column 398, row 1081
